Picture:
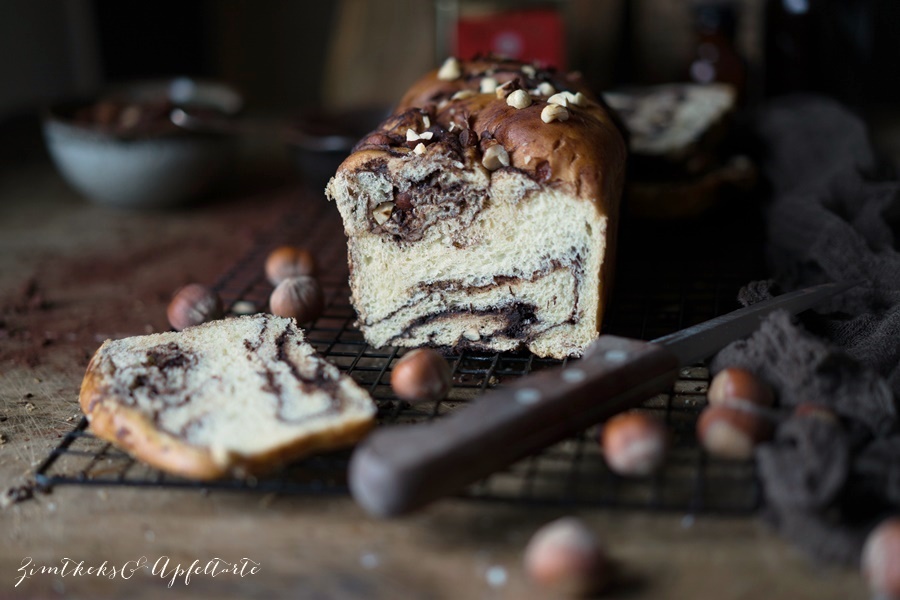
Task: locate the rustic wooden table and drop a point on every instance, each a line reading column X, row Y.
column 73, row 273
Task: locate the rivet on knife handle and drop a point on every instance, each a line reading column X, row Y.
column 399, row 469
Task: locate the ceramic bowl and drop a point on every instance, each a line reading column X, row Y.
column 319, row 140
column 139, row 159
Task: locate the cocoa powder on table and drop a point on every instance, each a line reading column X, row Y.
column 65, row 303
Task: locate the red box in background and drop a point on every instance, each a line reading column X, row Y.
column 530, row 35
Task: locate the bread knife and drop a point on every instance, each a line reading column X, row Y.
column 401, row 468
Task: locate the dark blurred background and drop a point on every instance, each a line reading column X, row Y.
column 287, row 55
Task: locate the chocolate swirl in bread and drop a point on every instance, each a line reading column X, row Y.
column 235, row 396
column 476, row 218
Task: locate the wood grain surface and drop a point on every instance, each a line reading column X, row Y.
column 72, row 274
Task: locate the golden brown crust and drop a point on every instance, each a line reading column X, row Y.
column 587, row 152
column 114, row 419
column 430, row 89
column 132, row 431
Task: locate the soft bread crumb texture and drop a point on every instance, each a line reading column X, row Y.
column 237, row 395
column 448, row 248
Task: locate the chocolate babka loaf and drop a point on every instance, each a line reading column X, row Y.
column 238, row 396
column 483, row 213
column 675, row 129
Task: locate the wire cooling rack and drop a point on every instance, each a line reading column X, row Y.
column 669, row 275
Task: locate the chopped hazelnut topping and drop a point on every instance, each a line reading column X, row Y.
column 462, row 94
column 383, row 211
column 554, row 112
column 449, row 70
column 412, row 136
column 452, row 126
column 527, row 158
column 426, row 121
column 495, row 157
column 567, row 98
column 546, row 89
column 420, row 148
column 502, row 90
column 488, row 85
column 560, row 99
column 519, row 99
column 529, row 70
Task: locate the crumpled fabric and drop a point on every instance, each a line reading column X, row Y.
column 833, row 216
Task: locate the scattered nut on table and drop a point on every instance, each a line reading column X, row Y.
column 634, row 443
column 880, row 562
column 298, row 297
column 192, row 305
column 289, row 261
column 566, row 557
column 732, row 432
column 422, row 375
column 739, row 384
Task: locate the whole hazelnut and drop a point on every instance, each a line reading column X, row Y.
column 634, row 443
column 739, row 384
column 421, row 375
column 732, row 432
column 565, row 556
column 880, row 561
column 298, row 297
column 192, row 305
column 289, row 261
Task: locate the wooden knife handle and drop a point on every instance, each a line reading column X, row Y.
column 401, row 468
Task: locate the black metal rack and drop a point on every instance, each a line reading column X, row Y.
column 670, row 275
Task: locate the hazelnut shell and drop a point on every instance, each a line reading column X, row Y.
column 421, row 375
column 634, row 443
column 289, row 261
column 730, row 432
column 880, row 563
column 192, row 305
column 565, row 556
column 734, row 384
column 300, row 298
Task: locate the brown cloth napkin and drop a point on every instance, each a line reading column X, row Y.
column 833, row 215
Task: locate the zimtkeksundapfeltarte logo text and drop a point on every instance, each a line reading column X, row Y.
column 162, row 567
